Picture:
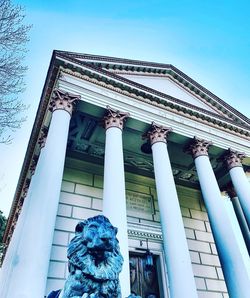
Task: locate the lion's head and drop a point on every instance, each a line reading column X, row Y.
column 98, row 235
column 94, row 258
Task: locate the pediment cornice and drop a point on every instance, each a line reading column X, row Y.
column 129, row 66
column 145, row 94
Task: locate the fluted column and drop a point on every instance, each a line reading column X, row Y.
column 232, row 263
column 240, row 182
column 240, row 216
column 180, row 274
column 29, row 270
column 114, row 198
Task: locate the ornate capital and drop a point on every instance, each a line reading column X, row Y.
column 114, row 118
column 198, row 147
column 63, row 101
column 157, row 133
column 43, row 137
column 233, row 158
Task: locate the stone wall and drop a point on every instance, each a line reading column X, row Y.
column 81, row 197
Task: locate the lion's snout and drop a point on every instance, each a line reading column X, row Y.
column 106, row 237
column 101, row 243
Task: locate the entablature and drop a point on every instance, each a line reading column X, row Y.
column 222, row 132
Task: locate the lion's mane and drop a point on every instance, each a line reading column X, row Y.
column 94, row 260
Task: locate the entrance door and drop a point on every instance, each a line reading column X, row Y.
column 143, row 280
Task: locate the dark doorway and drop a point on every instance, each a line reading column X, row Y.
column 143, row 280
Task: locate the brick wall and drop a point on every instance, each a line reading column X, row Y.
column 81, row 197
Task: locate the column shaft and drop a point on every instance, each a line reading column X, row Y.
column 234, row 269
column 7, row 265
column 242, row 188
column 180, row 274
column 233, row 160
column 29, row 266
column 114, row 198
column 242, row 221
column 6, row 269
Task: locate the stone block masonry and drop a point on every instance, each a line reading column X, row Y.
column 81, row 197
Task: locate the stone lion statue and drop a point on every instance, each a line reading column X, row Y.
column 94, row 261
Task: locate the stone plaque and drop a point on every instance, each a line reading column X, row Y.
column 139, row 202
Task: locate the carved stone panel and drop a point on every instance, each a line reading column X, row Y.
column 139, row 203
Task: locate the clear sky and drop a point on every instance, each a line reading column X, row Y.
column 208, row 40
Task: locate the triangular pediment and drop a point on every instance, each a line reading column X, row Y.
column 165, row 85
column 164, row 81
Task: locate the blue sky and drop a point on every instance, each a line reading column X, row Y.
column 208, row 40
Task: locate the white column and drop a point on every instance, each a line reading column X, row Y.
column 8, row 258
column 114, row 198
column 241, row 219
column 232, row 262
column 29, row 270
column 240, row 182
column 180, row 274
column 237, row 232
column 21, row 212
column 22, row 209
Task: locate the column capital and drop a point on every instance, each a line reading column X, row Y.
column 114, row 118
column 157, row 133
column 62, row 100
column 232, row 158
column 198, row 147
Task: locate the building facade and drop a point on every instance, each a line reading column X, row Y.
column 148, row 147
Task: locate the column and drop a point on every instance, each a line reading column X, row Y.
column 240, row 216
column 22, row 209
column 114, row 198
column 13, row 243
column 29, row 270
column 180, row 274
column 241, row 185
column 232, row 263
